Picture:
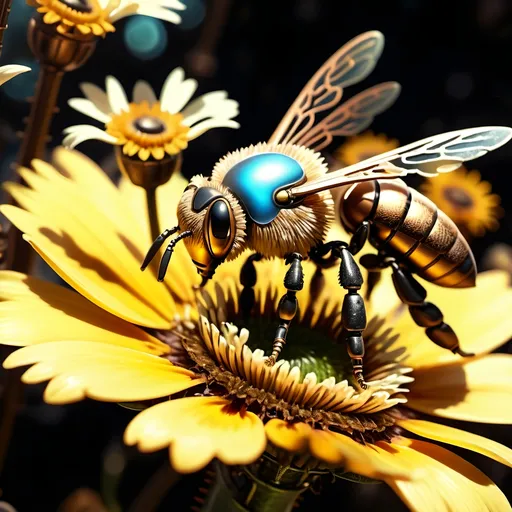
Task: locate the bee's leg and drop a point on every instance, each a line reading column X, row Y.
column 359, row 237
column 287, row 309
column 248, row 279
column 425, row 314
column 353, row 312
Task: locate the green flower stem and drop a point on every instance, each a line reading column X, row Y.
column 240, row 490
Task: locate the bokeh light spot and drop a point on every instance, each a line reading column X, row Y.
column 145, row 37
column 193, row 15
column 22, row 86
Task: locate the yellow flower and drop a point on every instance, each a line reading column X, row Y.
column 466, row 199
column 98, row 16
column 359, row 148
column 148, row 127
column 136, row 339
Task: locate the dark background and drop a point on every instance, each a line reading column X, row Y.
column 453, row 59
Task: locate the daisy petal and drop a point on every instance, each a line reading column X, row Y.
column 79, row 133
column 450, row 482
column 76, row 249
column 97, row 96
column 116, row 95
column 366, row 460
column 142, row 91
column 89, row 109
column 487, row 305
column 473, row 390
column 456, row 437
column 198, row 429
column 293, row 437
column 204, row 126
column 176, row 91
column 10, row 71
column 150, row 9
column 59, row 314
column 80, row 369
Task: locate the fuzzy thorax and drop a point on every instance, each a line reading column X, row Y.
column 293, row 230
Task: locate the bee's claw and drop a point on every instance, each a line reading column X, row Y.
column 270, row 361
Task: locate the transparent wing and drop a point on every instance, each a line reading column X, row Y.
column 353, row 116
column 352, row 63
column 428, row 157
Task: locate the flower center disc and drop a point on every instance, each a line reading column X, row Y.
column 147, row 124
column 458, row 197
column 78, row 5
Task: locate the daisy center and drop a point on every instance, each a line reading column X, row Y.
column 149, row 124
column 79, row 5
column 459, row 197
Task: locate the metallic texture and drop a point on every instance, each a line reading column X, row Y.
column 219, row 228
column 150, row 173
column 255, row 180
column 149, row 124
column 411, row 228
column 5, row 9
column 203, row 197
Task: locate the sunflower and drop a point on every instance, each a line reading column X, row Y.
column 97, row 17
column 10, row 71
column 466, row 199
column 124, row 337
column 364, row 146
column 147, row 126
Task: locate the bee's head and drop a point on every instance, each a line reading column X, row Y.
column 214, row 217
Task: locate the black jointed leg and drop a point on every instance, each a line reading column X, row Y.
column 425, row 314
column 164, row 262
column 359, row 238
column 155, row 246
column 353, row 312
column 287, row 308
column 248, row 279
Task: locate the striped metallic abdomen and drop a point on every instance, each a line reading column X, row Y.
column 410, row 227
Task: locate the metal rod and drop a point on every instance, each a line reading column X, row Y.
column 152, row 212
column 5, row 9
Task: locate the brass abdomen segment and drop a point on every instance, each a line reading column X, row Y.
column 411, row 228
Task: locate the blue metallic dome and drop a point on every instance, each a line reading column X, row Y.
column 255, row 180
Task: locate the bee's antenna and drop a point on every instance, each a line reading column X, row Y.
column 164, row 263
column 159, row 240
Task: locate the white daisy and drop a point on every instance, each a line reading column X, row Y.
column 149, row 126
column 98, row 16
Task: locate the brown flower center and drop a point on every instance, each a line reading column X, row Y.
column 458, row 197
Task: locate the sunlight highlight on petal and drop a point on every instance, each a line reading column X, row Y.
column 80, row 369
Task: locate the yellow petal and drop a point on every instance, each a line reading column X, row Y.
column 80, row 369
column 450, row 483
column 51, row 17
column 198, row 429
column 480, row 317
column 460, row 438
column 293, row 437
column 56, row 314
column 478, row 390
column 158, row 153
column 340, row 450
column 88, row 249
column 144, row 154
column 168, row 195
column 84, row 29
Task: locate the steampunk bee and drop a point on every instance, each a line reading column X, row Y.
column 274, row 199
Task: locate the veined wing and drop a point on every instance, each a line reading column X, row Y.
column 352, row 63
column 428, row 157
column 353, row 116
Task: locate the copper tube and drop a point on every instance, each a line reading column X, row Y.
column 5, row 9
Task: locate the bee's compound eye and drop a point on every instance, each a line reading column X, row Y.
column 219, row 228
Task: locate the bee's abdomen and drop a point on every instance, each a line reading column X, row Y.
column 410, row 227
